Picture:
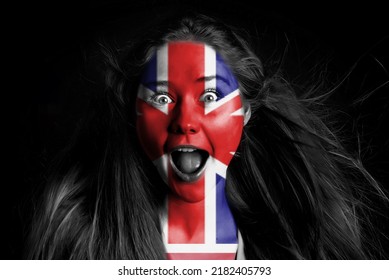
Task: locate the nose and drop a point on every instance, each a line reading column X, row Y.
column 185, row 120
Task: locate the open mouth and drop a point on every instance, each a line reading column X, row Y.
column 188, row 162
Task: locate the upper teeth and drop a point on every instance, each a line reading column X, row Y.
column 186, row 150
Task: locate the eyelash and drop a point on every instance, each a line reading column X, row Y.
column 210, row 90
column 154, row 97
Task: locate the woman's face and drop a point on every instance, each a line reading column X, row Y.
column 189, row 115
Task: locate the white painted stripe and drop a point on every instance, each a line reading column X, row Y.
column 210, row 203
column 162, row 73
column 239, row 112
column 212, row 106
column 146, row 94
column 220, row 168
column 201, row 248
column 162, row 63
column 209, row 67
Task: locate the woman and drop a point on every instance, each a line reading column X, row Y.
column 179, row 107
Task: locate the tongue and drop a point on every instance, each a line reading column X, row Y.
column 188, row 162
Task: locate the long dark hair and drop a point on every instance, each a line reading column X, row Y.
column 295, row 192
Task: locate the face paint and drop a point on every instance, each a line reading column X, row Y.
column 190, row 121
column 189, row 114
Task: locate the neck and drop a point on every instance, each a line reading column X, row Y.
column 185, row 220
column 208, row 225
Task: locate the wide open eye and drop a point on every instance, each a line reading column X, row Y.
column 161, row 99
column 209, row 97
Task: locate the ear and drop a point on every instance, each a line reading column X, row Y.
column 247, row 113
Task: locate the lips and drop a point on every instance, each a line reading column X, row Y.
column 188, row 162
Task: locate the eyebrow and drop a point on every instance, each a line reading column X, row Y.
column 157, row 83
column 210, row 78
column 205, row 79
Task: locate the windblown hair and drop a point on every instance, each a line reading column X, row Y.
column 294, row 191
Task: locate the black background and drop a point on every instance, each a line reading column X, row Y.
column 49, row 41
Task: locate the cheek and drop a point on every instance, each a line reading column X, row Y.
column 151, row 128
column 224, row 132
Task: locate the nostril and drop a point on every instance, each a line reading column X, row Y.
column 189, row 129
column 183, row 129
column 176, row 129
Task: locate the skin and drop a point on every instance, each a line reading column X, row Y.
column 191, row 101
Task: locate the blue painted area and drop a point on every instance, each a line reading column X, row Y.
column 226, row 82
column 226, row 231
column 149, row 77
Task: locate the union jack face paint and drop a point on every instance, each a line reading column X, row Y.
column 190, row 122
column 188, row 100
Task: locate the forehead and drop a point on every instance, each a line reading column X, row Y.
column 184, row 59
column 189, row 61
